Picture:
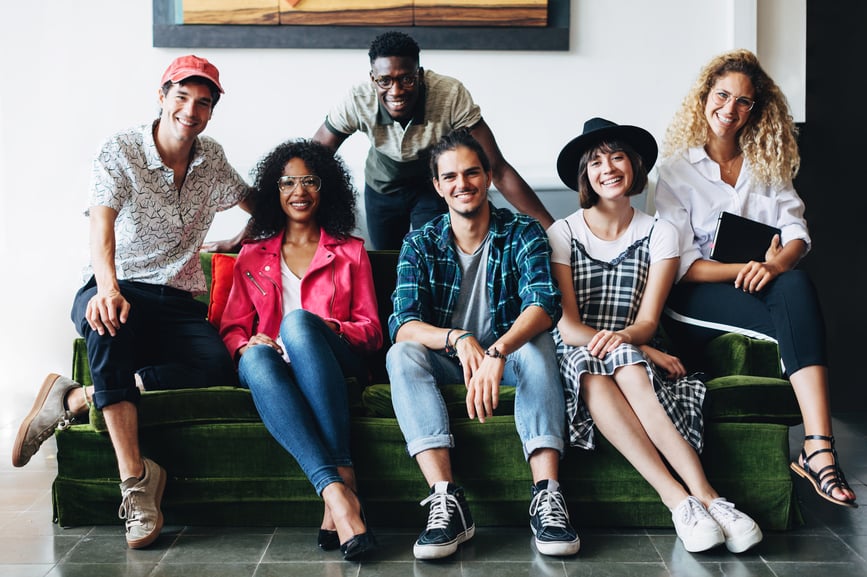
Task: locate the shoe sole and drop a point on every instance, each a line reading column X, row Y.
column 697, row 546
column 427, row 552
column 558, row 548
column 804, row 474
column 18, row 459
column 744, row 542
column 152, row 536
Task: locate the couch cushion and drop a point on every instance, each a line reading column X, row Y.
column 376, row 400
column 190, row 406
column 748, row 398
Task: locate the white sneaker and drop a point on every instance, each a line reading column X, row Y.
column 695, row 527
column 740, row 530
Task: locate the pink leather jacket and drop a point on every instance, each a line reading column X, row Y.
column 338, row 286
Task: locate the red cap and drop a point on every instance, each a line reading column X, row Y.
column 184, row 67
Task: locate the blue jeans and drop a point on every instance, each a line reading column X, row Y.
column 305, row 405
column 166, row 340
column 416, row 371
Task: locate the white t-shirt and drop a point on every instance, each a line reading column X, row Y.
column 291, row 296
column 663, row 242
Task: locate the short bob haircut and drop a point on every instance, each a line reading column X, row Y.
column 336, row 214
column 586, row 195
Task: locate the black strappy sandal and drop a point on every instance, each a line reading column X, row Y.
column 826, row 479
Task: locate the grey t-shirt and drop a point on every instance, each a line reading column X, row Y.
column 473, row 310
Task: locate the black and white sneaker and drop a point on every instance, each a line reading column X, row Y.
column 549, row 521
column 449, row 522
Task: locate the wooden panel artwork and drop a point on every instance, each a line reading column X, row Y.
column 258, row 12
column 368, row 12
column 481, row 13
column 346, row 12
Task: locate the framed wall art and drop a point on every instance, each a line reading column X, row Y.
column 451, row 25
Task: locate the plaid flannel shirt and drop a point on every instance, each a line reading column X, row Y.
column 518, row 273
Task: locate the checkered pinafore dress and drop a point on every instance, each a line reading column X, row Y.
column 609, row 295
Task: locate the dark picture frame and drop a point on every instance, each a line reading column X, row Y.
column 167, row 33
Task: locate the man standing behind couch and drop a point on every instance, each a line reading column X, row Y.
column 405, row 110
column 154, row 192
column 474, row 303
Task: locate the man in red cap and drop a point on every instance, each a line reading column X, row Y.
column 154, row 192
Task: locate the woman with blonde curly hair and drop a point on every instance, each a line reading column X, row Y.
column 732, row 147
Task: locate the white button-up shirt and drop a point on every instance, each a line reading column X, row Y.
column 690, row 194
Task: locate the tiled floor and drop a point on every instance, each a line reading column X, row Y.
column 832, row 542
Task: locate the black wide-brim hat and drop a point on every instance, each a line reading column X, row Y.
column 597, row 130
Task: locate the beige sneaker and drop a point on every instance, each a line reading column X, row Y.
column 48, row 414
column 140, row 506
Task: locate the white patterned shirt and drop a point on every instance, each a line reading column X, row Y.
column 158, row 230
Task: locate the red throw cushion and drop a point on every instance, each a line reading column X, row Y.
column 221, row 283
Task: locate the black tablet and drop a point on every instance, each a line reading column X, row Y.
column 739, row 239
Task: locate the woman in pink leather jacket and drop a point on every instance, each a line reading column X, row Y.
column 300, row 318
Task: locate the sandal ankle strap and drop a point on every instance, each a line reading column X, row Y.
column 829, row 438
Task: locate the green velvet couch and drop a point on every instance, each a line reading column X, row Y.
column 225, row 469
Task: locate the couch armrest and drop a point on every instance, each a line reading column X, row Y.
column 735, row 354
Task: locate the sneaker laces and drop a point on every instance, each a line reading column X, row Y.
column 67, row 421
column 725, row 512
column 442, row 505
column 551, row 508
column 128, row 509
column 693, row 512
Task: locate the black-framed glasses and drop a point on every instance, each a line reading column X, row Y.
column 309, row 182
column 742, row 103
column 405, row 81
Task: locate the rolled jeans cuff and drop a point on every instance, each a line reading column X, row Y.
column 432, row 442
column 543, row 442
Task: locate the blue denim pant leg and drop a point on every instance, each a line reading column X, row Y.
column 415, row 373
column 305, row 405
column 540, row 406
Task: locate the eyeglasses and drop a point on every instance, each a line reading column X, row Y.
column 309, row 182
column 743, row 104
column 405, row 81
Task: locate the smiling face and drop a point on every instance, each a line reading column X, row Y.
column 462, row 181
column 186, row 110
column 610, row 173
column 400, row 98
column 301, row 203
column 725, row 120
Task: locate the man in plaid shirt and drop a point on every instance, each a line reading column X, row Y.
column 474, row 302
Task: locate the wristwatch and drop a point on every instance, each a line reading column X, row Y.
column 493, row 352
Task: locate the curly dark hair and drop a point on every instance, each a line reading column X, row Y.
column 336, row 214
column 393, row 44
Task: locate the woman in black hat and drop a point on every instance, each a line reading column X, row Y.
column 732, row 147
column 621, row 264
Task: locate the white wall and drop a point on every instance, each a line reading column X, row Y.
column 73, row 73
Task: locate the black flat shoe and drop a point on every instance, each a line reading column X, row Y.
column 358, row 546
column 328, row 540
